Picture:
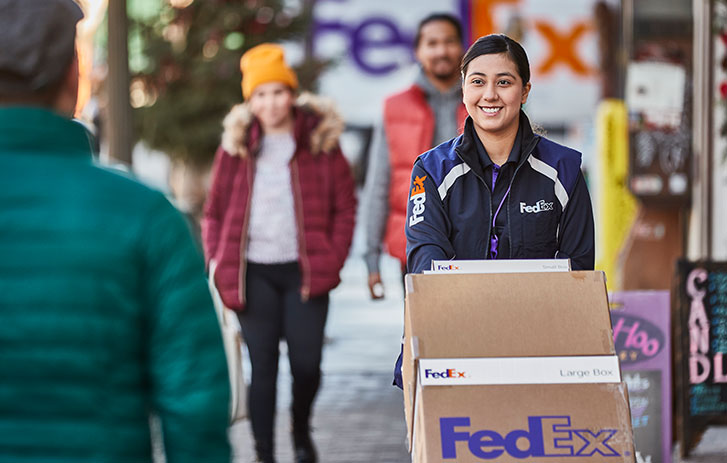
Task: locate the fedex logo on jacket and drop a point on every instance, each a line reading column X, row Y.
column 540, row 206
column 418, row 197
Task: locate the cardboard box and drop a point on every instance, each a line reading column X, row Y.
column 484, row 331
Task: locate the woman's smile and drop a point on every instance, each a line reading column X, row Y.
column 491, row 110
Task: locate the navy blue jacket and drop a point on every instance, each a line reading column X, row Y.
column 547, row 213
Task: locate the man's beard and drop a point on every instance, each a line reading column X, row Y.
column 445, row 77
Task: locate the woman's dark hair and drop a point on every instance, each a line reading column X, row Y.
column 446, row 17
column 495, row 44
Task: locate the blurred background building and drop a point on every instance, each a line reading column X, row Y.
column 638, row 86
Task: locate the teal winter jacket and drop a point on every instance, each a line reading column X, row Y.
column 105, row 316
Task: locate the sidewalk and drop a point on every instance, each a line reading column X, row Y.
column 711, row 449
column 358, row 415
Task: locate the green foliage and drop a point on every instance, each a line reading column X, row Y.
column 185, row 67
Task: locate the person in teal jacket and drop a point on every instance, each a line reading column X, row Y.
column 105, row 315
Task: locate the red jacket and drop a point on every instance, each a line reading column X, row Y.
column 323, row 191
column 409, row 127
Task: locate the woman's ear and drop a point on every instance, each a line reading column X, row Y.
column 462, row 87
column 526, row 92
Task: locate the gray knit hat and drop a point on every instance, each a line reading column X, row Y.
column 37, row 43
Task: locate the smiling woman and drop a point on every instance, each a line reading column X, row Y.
column 498, row 191
column 493, row 93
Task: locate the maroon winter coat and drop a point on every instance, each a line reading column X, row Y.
column 323, row 191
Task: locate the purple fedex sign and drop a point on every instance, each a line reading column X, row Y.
column 385, row 30
column 371, row 34
column 641, row 333
column 370, row 44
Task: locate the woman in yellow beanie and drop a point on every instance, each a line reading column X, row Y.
column 278, row 223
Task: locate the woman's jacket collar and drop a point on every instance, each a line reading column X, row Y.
column 467, row 148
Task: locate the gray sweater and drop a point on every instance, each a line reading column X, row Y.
column 375, row 201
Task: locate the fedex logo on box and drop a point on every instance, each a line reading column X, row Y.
column 448, row 373
column 447, row 267
column 546, row 436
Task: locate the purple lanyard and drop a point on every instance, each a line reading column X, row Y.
column 495, row 240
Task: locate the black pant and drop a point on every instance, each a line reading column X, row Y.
column 274, row 310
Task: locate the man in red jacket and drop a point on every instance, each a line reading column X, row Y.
column 414, row 120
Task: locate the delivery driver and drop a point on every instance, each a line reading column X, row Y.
column 498, row 191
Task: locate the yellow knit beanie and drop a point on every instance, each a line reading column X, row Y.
column 262, row 64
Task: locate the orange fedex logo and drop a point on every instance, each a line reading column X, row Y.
column 561, row 40
column 447, row 267
column 418, row 197
column 448, row 373
column 418, row 187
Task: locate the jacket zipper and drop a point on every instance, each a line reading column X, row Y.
column 244, row 234
column 489, row 222
column 305, row 265
column 529, row 151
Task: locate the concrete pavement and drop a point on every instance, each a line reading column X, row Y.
column 711, row 449
column 358, row 416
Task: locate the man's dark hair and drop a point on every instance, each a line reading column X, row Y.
column 495, row 44
column 446, row 17
column 45, row 96
column 38, row 46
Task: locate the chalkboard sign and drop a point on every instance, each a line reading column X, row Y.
column 700, row 370
column 642, row 337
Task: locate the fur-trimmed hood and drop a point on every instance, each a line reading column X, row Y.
column 327, row 125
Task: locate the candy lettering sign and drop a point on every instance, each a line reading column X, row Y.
column 700, row 363
column 707, row 295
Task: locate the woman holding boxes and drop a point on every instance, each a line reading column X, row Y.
column 499, row 190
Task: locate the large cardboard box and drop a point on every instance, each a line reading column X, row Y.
column 481, row 352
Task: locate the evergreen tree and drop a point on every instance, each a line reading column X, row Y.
column 186, row 74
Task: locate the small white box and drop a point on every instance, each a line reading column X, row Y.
column 500, row 266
